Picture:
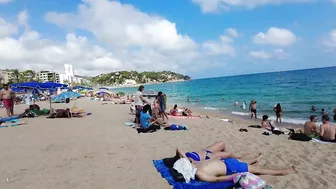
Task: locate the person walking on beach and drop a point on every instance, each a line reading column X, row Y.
column 253, row 109
column 7, row 96
column 278, row 112
column 139, row 102
column 327, row 130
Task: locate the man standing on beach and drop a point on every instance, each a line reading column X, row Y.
column 139, row 101
column 253, row 109
column 7, row 96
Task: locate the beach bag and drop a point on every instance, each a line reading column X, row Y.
column 249, row 181
column 299, row 137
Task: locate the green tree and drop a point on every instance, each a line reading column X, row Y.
column 52, row 79
column 15, row 74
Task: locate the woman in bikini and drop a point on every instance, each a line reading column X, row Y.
column 214, row 151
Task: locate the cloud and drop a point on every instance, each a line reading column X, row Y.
column 23, row 18
column 5, row 1
column 260, row 54
column 276, row 37
column 125, row 39
column 232, row 32
column 6, row 28
column 330, row 41
column 222, row 47
column 120, row 25
column 276, row 53
column 215, row 6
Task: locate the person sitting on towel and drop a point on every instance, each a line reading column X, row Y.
column 215, row 151
column 310, row 128
column 327, row 130
column 220, row 170
column 146, row 119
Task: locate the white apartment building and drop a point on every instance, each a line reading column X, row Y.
column 4, row 76
column 46, row 76
column 69, row 77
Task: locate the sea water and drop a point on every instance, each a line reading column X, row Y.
column 297, row 91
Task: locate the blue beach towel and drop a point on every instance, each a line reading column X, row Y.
column 6, row 119
column 12, row 123
column 165, row 173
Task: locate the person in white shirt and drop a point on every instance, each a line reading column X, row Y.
column 139, row 101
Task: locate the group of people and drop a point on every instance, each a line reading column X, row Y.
column 326, row 132
column 150, row 117
column 146, row 119
column 215, row 164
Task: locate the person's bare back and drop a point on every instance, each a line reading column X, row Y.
column 309, row 128
column 327, row 130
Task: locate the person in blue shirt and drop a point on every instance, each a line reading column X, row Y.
column 146, row 120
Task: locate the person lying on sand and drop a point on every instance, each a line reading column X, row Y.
column 327, row 130
column 215, row 151
column 65, row 113
column 219, row 170
column 180, row 112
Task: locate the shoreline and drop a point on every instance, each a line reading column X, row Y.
column 237, row 118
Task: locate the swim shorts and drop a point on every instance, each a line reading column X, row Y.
column 233, row 166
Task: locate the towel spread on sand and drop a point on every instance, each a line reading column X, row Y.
column 320, row 141
column 184, row 167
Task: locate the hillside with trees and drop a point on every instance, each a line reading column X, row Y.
column 140, row 77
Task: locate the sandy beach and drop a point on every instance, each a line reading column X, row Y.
column 98, row 151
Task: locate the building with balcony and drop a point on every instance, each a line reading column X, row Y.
column 46, row 76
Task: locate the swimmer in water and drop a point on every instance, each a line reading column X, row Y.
column 313, row 109
column 188, row 99
column 222, row 99
column 236, row 103
column 197, row 100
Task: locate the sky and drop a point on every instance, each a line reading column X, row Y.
column 200, row 38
